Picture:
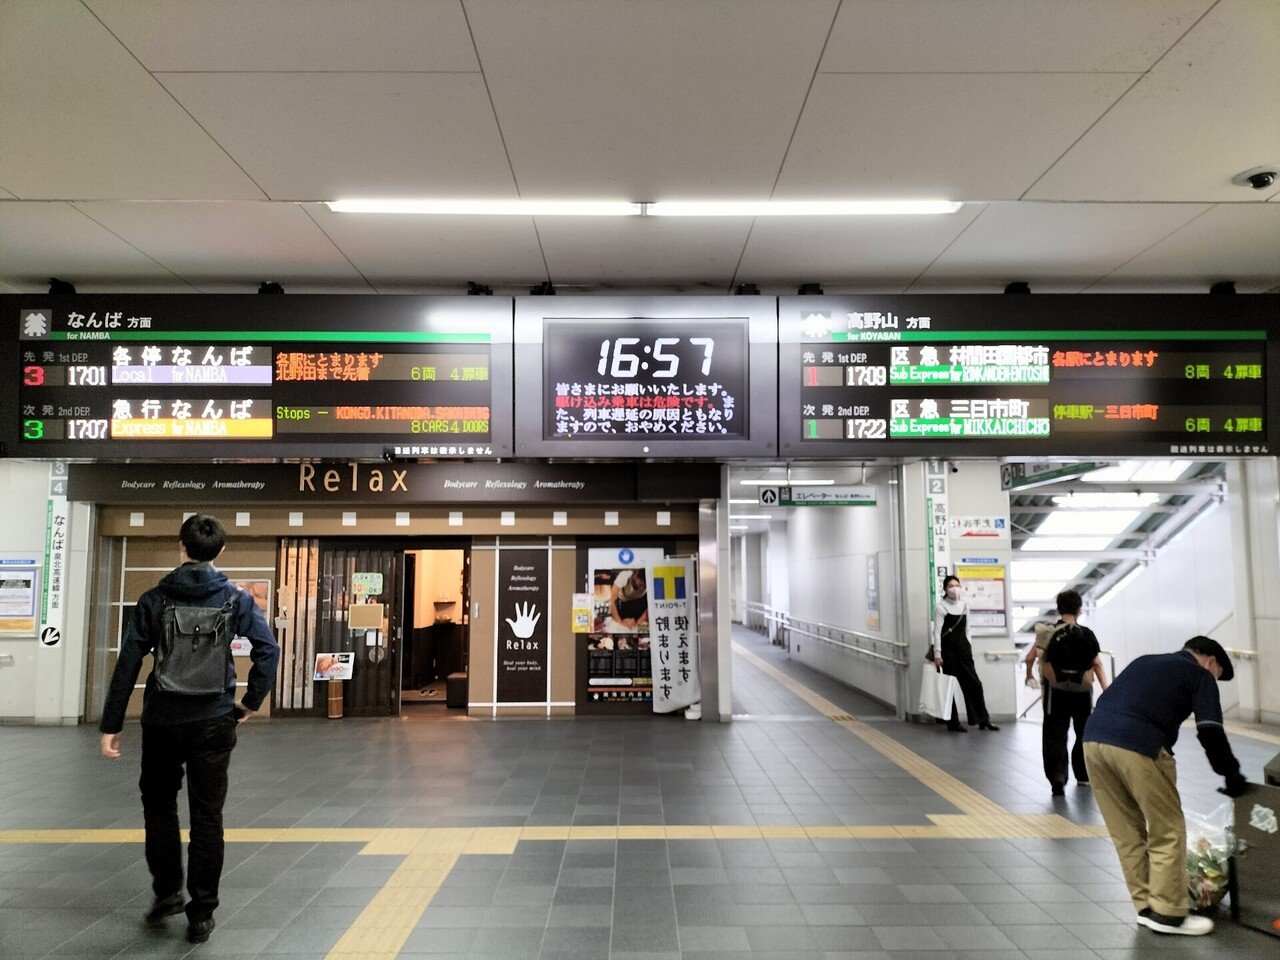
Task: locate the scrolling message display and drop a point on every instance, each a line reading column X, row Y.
column 148, row 378
column 881, row 379
column 660, row 379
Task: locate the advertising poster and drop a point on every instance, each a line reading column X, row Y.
column 873, row 592
column 334, row 666
column 984, row 586
column 583, row 611
column 675, row 635
column 260, row 590
column 619, row 668
column 19, row 581
column 522, row 627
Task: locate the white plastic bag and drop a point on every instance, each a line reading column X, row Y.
column 937, row 692
column 1210, row 841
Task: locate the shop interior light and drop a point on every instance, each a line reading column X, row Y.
column 800, row 208
column 497, row 208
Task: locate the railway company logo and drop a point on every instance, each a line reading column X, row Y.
column 816, row 325
column 34, row 324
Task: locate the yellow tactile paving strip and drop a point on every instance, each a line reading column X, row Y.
column 383, row 927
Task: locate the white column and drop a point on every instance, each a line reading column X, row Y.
column 1253, row 491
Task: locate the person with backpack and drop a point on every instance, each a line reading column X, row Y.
column 1129, row 751
column 189, row 714
column 953, row 653
column 1067, row 668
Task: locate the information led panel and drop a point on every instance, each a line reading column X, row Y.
column 115, row 377
column 651, row 376
column 1029, row 375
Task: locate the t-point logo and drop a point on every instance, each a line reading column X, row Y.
column 625, row 555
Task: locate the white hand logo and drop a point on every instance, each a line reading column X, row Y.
column 526, row 621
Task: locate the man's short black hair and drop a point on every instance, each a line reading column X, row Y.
column 1069, row 602
column 202, row 537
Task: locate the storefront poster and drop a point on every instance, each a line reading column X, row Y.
column 522, row 627
column 619, row 669
column 366, row 584
column 583, row 611
column 260, row 590
column 620, row 594
column 334, row 666
column 674, row 634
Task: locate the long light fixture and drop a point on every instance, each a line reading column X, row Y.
column 787, row 483
column 750, row 516
column 800, row 208
column 622, row 208
column 493, row 208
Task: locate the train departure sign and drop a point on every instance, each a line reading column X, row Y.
column 1058, row 375
column 645, row 376
column 235, row 376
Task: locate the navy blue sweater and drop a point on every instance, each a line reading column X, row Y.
column 191, row 585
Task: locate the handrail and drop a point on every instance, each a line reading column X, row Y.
column 827, row 633
column 902, row 644
column 849, row 646
column 1242, row 654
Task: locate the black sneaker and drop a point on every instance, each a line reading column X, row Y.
column 198, row 930
column 988, row 726
column 165, row 907
column 957, row 729
column 1059, row 790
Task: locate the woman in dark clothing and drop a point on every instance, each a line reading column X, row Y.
column 954, row 655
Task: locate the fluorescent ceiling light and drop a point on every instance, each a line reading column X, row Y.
column 787, row 483
column 754, row 503
column 799, row 208
column 499, row 208
column 738, row 526
column 750, row 516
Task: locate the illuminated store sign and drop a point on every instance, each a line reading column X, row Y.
column 1124, row 375
column 183, row 376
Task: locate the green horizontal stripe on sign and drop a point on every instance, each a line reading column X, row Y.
column 925, row 336
column 291, row 336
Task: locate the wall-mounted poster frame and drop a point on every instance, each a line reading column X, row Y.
column 646, row 348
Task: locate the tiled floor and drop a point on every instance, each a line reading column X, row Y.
column 596, row 840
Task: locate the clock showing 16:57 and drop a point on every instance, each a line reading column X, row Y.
column 640, row 378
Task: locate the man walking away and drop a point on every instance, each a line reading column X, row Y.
column 1129, row 752
column 189, row 714
column 1068, row 691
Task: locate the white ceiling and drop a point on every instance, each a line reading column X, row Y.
column 186, row 144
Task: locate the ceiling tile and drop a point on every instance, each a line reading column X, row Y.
column 42, row 240
column 321, row 136
column 1232, row 241
column 436, row 250
column 292, row 34
column 82, row 120
column 643, row 250
column 1204, row 113
column 245, row 242
column 973, row 137
column 1056, row 242
column 839, row 250
column 659, row 100
column 995, row 36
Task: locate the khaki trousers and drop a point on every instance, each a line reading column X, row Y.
column 1139, row 801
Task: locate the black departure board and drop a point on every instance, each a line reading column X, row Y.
column 645, row 376
column 176, row 376
column 1122, row 375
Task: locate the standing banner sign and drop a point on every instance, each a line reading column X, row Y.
column 522, row 628
column 674, row 634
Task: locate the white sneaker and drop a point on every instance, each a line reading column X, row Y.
column 1191, row 925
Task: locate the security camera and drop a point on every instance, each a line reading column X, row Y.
column 1260, row 178
column 954, row 468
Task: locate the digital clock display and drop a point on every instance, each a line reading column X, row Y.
column 666, row 379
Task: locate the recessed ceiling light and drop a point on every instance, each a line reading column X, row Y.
column 799, row 208
column 493, row 208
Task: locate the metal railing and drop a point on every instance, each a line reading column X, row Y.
column 781, row 627
column 763, row 618
column 994, row 656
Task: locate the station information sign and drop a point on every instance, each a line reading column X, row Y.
column 118, row 376
column 690, row 376
column 1060, row 375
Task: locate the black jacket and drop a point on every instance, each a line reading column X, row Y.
column 192, row 585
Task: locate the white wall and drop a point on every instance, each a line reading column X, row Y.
column 1187, row 590
column 43, row 685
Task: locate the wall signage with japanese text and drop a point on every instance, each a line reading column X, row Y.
column 673, row 634
column 116, row 376
column 1063, row 374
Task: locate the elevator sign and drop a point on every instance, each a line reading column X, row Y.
column 1053, row 375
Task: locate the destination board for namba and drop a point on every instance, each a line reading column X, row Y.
column 987, row 375
column 197, row 376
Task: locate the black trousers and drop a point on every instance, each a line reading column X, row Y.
column 1064, row 709
column 957, row 661
column 204, row 750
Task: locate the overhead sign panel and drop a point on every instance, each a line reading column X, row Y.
column 1058, row 375
column 645, row 376
column 115, row 376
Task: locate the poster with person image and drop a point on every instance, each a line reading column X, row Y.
column 621, row 600
column 260, row 590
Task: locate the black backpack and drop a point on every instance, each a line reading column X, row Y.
column 1071, row 656
column 194, row 650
